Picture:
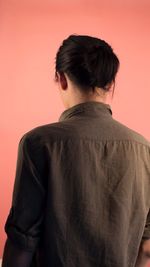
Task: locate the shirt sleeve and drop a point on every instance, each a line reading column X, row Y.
column 24, row 222
column 13, row 256
column 146, row 234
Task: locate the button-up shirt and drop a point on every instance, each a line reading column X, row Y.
column 82, row 191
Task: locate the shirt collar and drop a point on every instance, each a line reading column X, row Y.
column 91, row 106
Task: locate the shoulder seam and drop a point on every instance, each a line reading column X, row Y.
column 104, row 140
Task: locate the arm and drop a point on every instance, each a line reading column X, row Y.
column 144, row 250
column 15, row 257
column 24, row 223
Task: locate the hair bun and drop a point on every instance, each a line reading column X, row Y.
column 88, row 61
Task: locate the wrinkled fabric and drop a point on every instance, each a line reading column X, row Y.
column 82, row 191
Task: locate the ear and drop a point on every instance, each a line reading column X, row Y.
column 109, row 85
column 62, row 80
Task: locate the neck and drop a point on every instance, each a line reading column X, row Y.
column 98, row 95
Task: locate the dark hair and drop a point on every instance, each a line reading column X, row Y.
column 88, row 61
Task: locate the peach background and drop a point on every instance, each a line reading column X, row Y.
column 30, row 34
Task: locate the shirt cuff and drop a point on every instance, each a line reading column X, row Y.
column 26, row 242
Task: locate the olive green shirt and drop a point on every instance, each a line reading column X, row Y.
column 82, row 191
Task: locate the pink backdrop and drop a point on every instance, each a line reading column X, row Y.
column 30, row 33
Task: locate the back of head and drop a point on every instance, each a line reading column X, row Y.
column 88, row 61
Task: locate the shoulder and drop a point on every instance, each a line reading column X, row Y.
column 46, row 132
column 125, row 133
column 116, row 131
